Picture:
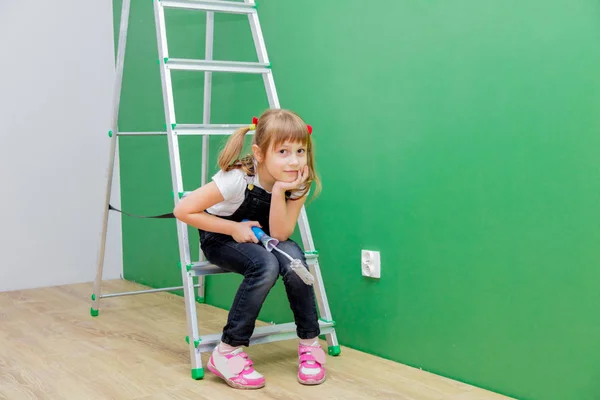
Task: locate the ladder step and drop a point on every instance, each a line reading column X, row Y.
column 194, row 129
column 141, row 133
column 217, row 66
column 202, row 268
column 264, row 334
column 207, row 129
column 230, row 7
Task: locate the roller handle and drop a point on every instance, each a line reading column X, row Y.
column 259, row 233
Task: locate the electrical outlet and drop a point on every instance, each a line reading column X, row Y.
column 371, row 264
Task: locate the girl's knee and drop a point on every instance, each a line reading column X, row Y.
column 266, row 266
column 292, row 248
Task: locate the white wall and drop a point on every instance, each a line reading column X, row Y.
column 56, row 79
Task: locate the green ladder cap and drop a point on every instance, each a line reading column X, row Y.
column 189, row 267
column 311, row 253
column 110, row 133
column 197, row 373
column 93, row 313
column 179, row 264
column 180, row 194
column 200, row 299
column 166, row 60
column 93, row 297
column 196, row 342
column 173, row 126
column 326, row 321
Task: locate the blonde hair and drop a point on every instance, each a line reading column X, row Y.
column 275, row 126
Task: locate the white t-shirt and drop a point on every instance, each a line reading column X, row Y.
column 232, row 185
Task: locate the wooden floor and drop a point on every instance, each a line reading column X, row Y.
column 51, row 348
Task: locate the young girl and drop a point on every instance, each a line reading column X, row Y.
column 267, row 187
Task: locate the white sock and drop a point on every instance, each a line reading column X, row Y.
column 224, row 348
column 310, row 342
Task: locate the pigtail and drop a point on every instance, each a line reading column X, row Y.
column 230, row 153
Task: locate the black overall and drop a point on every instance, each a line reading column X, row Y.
column 261, row 270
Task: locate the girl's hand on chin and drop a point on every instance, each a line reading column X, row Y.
column 296, row 184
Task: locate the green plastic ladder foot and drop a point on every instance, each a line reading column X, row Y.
column 334, row 350
column 93, row 313
column 200, row 299
column 197, row 373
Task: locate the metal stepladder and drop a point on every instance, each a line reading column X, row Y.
column 201, row 344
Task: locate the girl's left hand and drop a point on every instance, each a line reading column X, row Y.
column 296, row 184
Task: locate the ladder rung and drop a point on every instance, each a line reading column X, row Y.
column 202, row 268
column 217, row 66
column 219, row 6
column 165, row 289
column 141, row 133
column 263, row 334
column 198, row 129
column 207, row 129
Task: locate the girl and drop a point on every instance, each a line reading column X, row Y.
column 267, row 187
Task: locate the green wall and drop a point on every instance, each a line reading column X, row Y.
column 458, row 138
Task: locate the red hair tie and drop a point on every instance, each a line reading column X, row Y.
column 255, row 122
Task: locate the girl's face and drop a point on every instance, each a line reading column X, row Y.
column 285, row 161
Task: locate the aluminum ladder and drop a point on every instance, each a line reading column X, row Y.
column 197, row 343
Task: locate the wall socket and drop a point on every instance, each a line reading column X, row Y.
column 371, row 263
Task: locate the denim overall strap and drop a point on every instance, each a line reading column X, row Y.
column 255, row 207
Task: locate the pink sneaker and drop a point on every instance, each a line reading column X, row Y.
column 235, row 369
column 310, row 364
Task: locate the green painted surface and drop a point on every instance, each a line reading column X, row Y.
column 458, row 138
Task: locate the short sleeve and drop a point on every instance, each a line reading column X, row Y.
column 231, row 183
column 295, row 195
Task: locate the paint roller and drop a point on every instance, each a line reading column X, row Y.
column 271, row 244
